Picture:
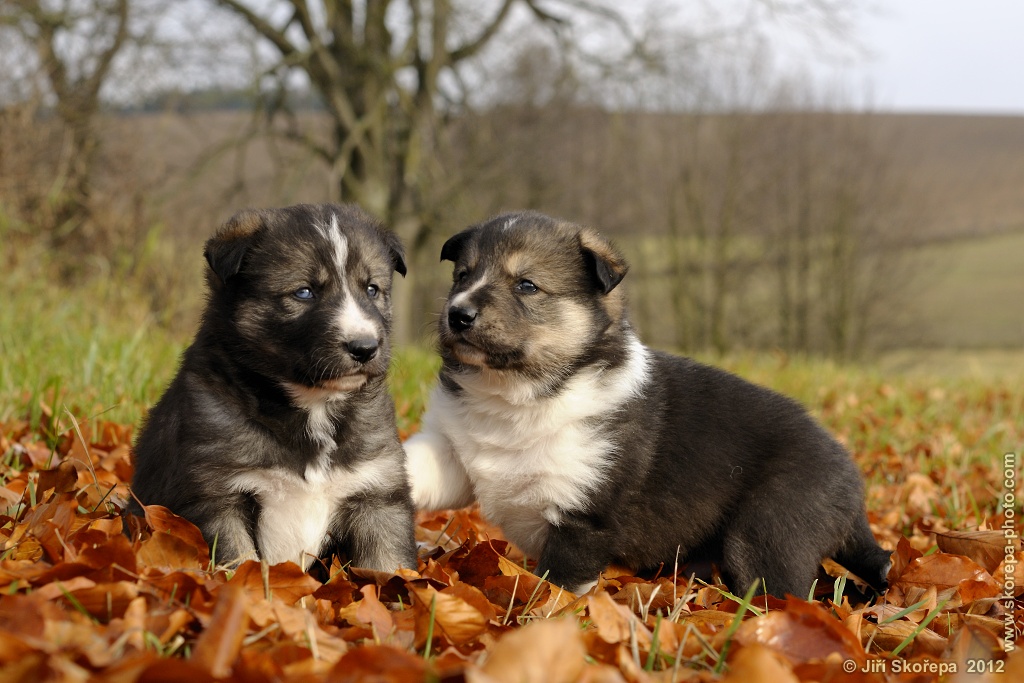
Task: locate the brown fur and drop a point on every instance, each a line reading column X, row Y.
column 587, row 448
column 277, row 436
column 541, row 335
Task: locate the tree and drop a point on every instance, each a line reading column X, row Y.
column 75, row 43
column 389, row 73
column 63, row 64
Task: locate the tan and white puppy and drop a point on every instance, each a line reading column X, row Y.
column 277, row 437
column 587, row 448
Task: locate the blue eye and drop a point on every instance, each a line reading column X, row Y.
column 526, row 287
column 303, row 293
column 372, row 291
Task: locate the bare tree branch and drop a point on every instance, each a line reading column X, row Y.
column 472, row 47
column 262, row 26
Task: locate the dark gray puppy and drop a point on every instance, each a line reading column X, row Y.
column 588, row 448
column 277, row 437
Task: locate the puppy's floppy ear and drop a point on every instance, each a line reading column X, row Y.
column 452, row 249
column 606, row 266
column 396, row 251
column 226, row 249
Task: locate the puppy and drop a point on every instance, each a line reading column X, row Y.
column 588, row 448
column 277, row 437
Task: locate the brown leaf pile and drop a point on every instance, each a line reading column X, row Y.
column 81, row 602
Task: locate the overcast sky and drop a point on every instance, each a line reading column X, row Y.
column 945, row 55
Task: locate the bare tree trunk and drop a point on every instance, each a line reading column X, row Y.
column 680, row 288
column 75, row 80
column 722, row 239
column 804, row 243
column 382, row 96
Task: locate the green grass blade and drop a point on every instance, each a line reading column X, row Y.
column 920, row 627
column 734, row 626
column 653, row 654
column 838, row 588
column 430, row 627
column 904, row 612
column 75, row 603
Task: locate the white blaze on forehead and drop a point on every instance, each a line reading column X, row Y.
column 340, row 244
column 352, row 320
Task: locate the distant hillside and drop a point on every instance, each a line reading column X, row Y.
column 960, row 181
column 966, row 173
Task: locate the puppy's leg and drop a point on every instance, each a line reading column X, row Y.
column 438, row 479
column 574, row 555
column 862, row 555
column 376, row 530
column 770, row 546
column 229, row 527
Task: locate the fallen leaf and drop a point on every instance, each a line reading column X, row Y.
column 164, row 551
column 941, row 570
column 61, row 479
column 370, row 613
column 919, row 492
column 160, row 519
column 454, row 618
column 149, row 668
column 482, row 561
column 1014, row 565
column 802, row 632
column 975, row 644
column 286, row 581
column 555, row 653
column 105, row 600
column 888, row 637
column 22, row 615
column 380, row 664
column 474, row 597
column 338, row 590
column 218, row 646
column 707, row 618
column 52, row 591
column 612, row 621
column 903, row 556
column 1012, row 671
column 758, row 664
column 987, row 548
column 509, row 568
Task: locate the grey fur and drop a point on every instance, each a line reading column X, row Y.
column 270, row 397
column 698, row 460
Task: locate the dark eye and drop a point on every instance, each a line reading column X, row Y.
column 461, row 275
column 372, row 291
column 304, row 293
column 526, row 287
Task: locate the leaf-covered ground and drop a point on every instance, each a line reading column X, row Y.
column 80, row 601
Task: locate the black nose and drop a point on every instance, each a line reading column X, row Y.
column 362, row 350
column 461, row 319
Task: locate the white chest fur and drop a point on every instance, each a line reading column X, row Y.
column 296, row 511
column 528, row 458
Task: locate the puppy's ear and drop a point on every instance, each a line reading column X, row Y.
column 452, row 249
column 606, row 266
column 396, row 251
column 225, row 250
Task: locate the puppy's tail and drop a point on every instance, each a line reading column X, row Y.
column 864, row 557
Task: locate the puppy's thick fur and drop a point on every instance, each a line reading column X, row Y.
column 277, row 437
column 587, row 448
